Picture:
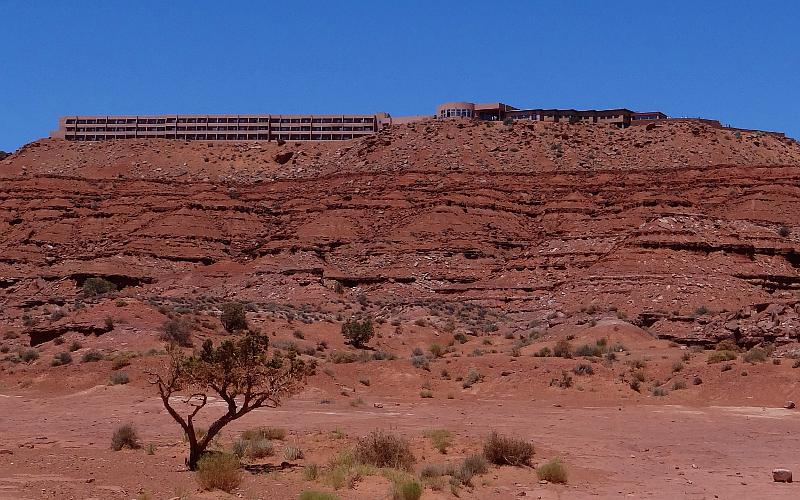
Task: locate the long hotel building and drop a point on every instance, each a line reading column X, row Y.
column 220, row 127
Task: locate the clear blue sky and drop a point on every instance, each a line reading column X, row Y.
column 734, row 60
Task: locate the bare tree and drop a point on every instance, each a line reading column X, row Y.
column 240, row 372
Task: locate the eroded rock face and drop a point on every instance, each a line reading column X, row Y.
column 656, row 223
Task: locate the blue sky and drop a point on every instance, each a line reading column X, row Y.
column 734, row 60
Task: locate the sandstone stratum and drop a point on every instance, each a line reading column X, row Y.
column 684, row 229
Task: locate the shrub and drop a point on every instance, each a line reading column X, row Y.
column 91, row 356
column 796, row 364
column 720, row 356
column 565, row 382
column 436, row 350
column 475, row 464
column 233, row 317
column 57, row 314
column 342, row 357
column 677, row 366
column 441, row 439
column 562, row 349
column 317, row 495
column 311, row 472
column 384, row 450
column 253, row 449
column 125, row 437
column 122, row 361
column 382, row 355
column 755, row 355
column 583, row 369
column 473, row 376
column 588, row 350
column 292, row 452
column 62, row 358
column 364, row 381
column 358, row 333
column 408, row 489
column 219, row 471
column 150, row 449
column 726, row 368
column 637, row 364
column 544, row 352
column 426, row 393
column 784, row 231
column 679, row 385
column 97, row 286
column 635, row 385
column 273, row 433
column 502, row 450
column 177, row 331
column 552, row 471
column 119, row 378
column 75, row 346
column 420, row 362
column 659, row 392
column 727, row 345
column 29, row 355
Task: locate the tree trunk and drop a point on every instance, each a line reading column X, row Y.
column 194, row 456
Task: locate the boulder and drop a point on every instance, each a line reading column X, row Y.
column 782, row 475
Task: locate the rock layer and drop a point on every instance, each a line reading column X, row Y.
column 682, row 228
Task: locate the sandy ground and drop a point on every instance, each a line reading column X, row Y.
column 59, row 447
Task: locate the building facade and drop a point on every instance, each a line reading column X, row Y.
column 221, row 127
column 620, row 117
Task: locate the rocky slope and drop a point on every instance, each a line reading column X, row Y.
column 682, row 228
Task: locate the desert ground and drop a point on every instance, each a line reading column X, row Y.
column 625, row 300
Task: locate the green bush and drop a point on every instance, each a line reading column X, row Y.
column 62, row 358
column 406, row 490
column 233, row 317
column 476, row 464
column 272, row 433
column 755, row 355
column 562, row 349
column 219, row 471
column 588, row 350
column 358, row 333
column 317, row 495
column 436, row 350
column 384, row 450
column 91, row 356
column 311, row 472
column 125, row 437
column 119, row 378
column 291, row 453
column 502, row 450
column 177, row 331
column 29, row 355
column 473, row 377
column 552, row 471
column 720, row 356
column 97, row 286
column 441, row 439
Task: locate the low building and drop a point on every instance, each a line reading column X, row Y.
column 221, row 127
column 620, row 117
